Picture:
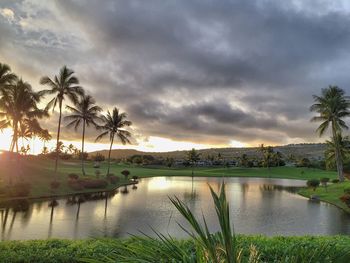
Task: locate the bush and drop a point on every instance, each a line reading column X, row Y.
column 94, row 183
column 113, row 179
column 335, row 181
column 346, row 199
column 98, row 158
column 55, row 184
column 135, row 177
column 19, row 190
column 313, row 183
column 73, row 176
column 125, row 173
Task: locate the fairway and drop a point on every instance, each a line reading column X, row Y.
column 39, row 172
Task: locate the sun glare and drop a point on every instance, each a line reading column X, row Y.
column 5, row 139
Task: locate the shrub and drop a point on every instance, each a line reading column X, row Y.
column 346, row 199
column 99, row 157
column 135, row 177
column 125, row 173
column 55, row 184
column 313, row 183
column 113, row 179
column 94, row 183
column 73, row 176
column 19, row 190
column 335, row 181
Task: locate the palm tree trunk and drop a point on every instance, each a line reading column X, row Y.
column 338, row 158
column 82, row 149
column 109, row 155
column 58, row 136
column 14, row 137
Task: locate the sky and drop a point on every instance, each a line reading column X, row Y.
column 199, row 73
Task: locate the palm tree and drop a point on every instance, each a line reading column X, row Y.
column 332, row 107
column 6, row 77
column 63, row 86
column 19, row 105
column 45, row 136
column 86, row 113
column 344, row 149
column 193, row 157
column 114, row 124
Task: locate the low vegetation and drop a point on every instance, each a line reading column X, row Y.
column 335, row 194
column 203, row 246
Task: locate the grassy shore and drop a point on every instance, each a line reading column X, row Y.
column 62, row 251
column 330, row 194
column 39, row 173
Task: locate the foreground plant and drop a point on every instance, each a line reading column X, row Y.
column 221, row 247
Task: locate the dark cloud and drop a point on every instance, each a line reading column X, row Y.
column 202, row 71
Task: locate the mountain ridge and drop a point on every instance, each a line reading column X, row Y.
column 309, row 150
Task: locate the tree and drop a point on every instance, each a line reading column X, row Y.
column 244, row 160
column 267, row 153
column 63, row 86
column 126, row 173
column 7, row 78
column 114, row 124
column 85, row 114
column 332, row 107
column 193, row 157
column 330, row 152
column 18, row 107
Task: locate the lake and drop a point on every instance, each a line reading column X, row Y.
column 258, row 206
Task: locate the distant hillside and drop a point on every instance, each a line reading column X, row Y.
column 312, row 150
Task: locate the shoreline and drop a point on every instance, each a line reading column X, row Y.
column 58, row 196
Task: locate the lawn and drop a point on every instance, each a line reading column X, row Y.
column 39, row 172
column 330, row 194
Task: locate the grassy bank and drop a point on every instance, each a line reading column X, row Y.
column 40, row 173
column 271, row 248
column 330, row 194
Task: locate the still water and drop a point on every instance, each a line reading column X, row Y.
column 258, row 206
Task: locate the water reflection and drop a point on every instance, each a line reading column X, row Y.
column 263, row 206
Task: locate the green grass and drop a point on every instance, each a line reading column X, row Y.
column 40, row 172
column 330, row 194
column 62, row 251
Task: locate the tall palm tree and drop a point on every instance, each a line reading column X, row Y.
column 85, row 113
column 19, row 104
column 344, row 149
column 63, row 86
column 114, row 124
column 332, row 107
column 6, row 77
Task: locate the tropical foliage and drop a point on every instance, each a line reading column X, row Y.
column 85, row 114
column 332, row 108
column 63, row 86
column 114, row 124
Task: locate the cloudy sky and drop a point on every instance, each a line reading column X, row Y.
column 189, row 73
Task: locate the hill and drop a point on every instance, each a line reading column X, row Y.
column 309, row 150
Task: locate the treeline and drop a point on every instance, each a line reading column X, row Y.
column 20, row 110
